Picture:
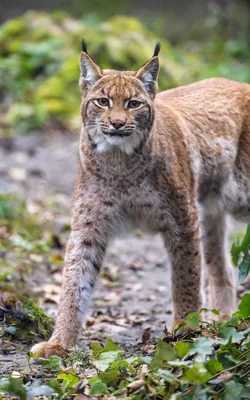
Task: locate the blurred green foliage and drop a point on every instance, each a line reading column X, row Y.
column 22, row 319
column 39, row 70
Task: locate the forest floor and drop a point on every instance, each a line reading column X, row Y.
column 132, row 300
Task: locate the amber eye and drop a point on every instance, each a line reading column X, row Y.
column 134, row 104
column 103, row 102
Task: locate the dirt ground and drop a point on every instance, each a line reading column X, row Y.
column 134, row 292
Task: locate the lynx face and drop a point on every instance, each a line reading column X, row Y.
column 117, row 107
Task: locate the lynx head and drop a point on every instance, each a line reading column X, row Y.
column 118, row 107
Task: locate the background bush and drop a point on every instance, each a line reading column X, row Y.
column 39, row 55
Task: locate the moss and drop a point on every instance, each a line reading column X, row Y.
column 24, row 320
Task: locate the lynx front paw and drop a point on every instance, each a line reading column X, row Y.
column 48, row 349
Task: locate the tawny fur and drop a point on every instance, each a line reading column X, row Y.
column 180, row 166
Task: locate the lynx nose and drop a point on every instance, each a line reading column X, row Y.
column 117, row 123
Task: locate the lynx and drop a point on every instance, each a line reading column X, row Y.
column 177, row 162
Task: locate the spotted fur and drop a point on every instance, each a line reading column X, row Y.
column 177, row 164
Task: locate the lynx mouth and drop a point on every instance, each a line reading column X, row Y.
column 117, row 134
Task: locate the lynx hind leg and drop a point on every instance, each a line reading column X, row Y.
column 220, row 277
column 184, row 250
column 236, row 193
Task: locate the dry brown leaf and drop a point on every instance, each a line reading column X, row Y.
column 51, row 292
column 225, row 376
column 244, row 325
column 146, row 335
column 136, row 385
column 101, row 318
column 18, row 174
column 36, row 258
column 137, row 265
column 136, row 320
column 151, row 389
column 134, row 287
column 122, row 321
column 113, row 295
column 149, row 348
column 143, row 372
column 90, row 320
column 81, row 396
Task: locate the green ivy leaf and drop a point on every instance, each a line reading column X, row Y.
column 245, row 394
column 111, row 346
column 69, row 380
column 244, row 268
column 234, row 320
column 53, row 363
column 119, row 364
column 244, row 306
column 182, row 348
column 98, row 388
column 242, row 247
column 109, row 377
column 14, row 386
column 193, row 319
column 232, row 391
column 213, row 310
column 97, row 348
column 105, row 359
column 230, row 334
column 213, row 366
column 55, row 385
column 197, row 374
column 38, row 389
column 226, row 358
column 179, row 363
column 165, row 352
column 165, row 374
column 202, row 346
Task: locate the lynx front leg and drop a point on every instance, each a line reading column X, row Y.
column 184, row 247
column 91, row 228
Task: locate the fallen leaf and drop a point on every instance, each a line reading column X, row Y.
column 80, row 396
column 90, row 320
column 143, row 372
column 36, row 258
column 137, row 265
column 18, row 174
column 149, row 348
column 151, row 389
column 146, row 335
column 135, row 385
column 50, row 292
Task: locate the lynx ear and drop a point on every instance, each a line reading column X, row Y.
column 90, row 72
column 148, row 73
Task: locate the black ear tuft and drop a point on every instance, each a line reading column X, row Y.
column 84, row 46
column 157, row 49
